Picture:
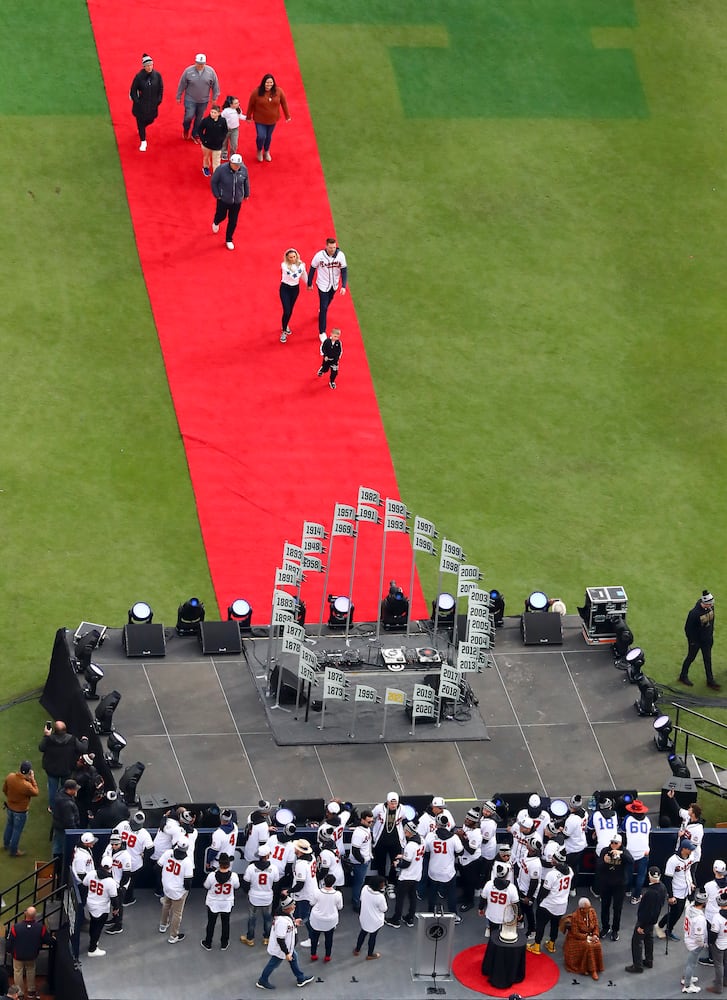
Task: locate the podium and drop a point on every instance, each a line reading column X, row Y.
column 434, row 948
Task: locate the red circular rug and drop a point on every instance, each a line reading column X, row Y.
column 541, row 974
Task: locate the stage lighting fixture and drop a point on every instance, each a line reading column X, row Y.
column 635, row 659
column 537, row 601
column 394, row 608
column 189, row 616
column 84, row 647
column 446, row 605
column 140, row 613
column 241, row 612
column 678, row 766
column 497, row 606
column 646, row 703
column 115, row 744
column 624, row 638
column 93, row 674
column 105, row 713
column 341, row 611
column 663, row 739
column 129, row 780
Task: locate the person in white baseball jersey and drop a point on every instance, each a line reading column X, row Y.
column 177, row 873
column 360, row 855
column 282, row 855
column 521, row 830
column 371, row 918
column 470, row 861
column 117, row 858
column 281, row 946
column 718, row 944
column 602, row 825
column 637, row 831
column 496, row 895
column 695, row 938
column 257, row 830
column 444, row 848
column 324, row 916
column 409, row 873
column 83, row 864
column 530, row 874
column 488, row 828
column 221, row 885
column 292, row 272
column 169, row 831
column 101, row 896
column 552, row 902
column 260, row 877
column 537, row 813
column 224, row 839
column 713, row 888
column 679, row 884
column 304, row 882
column 337, row 816
column 139, row 844
column 330, row 269
column 692, row 828
column 574, row 833
column 329, row 860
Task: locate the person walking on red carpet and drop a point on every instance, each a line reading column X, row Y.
column 293, row 271
column 264, row 108
column 196, row 84
column 146, row 93
column 330, row 268
column 212, row 133
column 230, row 186
column 331, row 350
column 232, row 113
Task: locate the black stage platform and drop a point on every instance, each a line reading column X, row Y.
column 560, row 719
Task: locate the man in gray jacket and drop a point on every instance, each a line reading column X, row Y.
column 196, row 84
column 230, row 186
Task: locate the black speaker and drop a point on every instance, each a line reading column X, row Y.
column 541, row 628
column 154, row 807
column 145, row 640
column 220, row 637
column 685, row 792
column 289, row 687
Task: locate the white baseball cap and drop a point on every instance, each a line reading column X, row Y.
column 719, row 866
column 88, row 839
column 200, row 58
column 235, row 158
column 439, row 802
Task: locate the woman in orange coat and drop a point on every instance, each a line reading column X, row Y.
column 263, row 108
column 582, row 951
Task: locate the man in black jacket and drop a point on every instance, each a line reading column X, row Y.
column 613, row 863
column 65, row 814
column 60, row 752
column 146, row 93
column 230, row 186
column 25, row 939
column 642, row 941
column 331, row 350
column 699, row 630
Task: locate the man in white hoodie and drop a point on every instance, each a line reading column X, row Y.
column 695, row 938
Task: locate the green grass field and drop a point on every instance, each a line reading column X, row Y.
column 531, row 194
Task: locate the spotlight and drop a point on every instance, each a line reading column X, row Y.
column 84, row 646
column 444, row 607
column 241, row 612
column 537, row 601
column 115, row 743
column 394, row 608
column 189, row 616
column 663, row 739
column 105, row 713
column 497, row 605
column 678, row 767
column 140, row 613
column 128, row 782
column 624, row 638
column 93, row 674
column 341, row 611
column 635, row 659
column 646, row 704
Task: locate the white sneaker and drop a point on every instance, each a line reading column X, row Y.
column 283, row 337
column 97, row 953
column 230, row 245
column 304, row 944
column 163, row 928
column 142, row 146
column 691, row 989
column 660, row 932
column 215, row 228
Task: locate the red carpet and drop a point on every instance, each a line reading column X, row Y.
column 541, row 974
column 268, row 444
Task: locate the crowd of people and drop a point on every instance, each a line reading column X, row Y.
column 512, row 869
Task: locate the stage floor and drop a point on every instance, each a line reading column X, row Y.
column 560, row 720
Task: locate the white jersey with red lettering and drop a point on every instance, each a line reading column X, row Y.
column 101, row 891
column 574, row 830
column 718, row 924
column 224, row 841
column 118, row 861
column 220, row 896
column 169, row 831
column 471, row 838
column 281, row 854
column 261, row 877
column 136, row 843
column 488, row 828
column 539, row 822
column 443, row 853
column 259, row 834
column 557, row 888
column 174, row 872
column 681, row 875
column 332, row 862
column 413, row 852
column 305, row 872
column 495, row 900
column 82, row 864
column 530, row 868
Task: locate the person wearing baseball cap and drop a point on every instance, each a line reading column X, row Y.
column 409, row 873
column 713, row 888
column 679, row 885
column 613, row 863
column 388, row 838
column 637, row 828
column 699, row 630
column 230, row 186
column 196, row 85
column 718, row 941
column 19, row 788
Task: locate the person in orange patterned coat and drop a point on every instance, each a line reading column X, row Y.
column 582, row 951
